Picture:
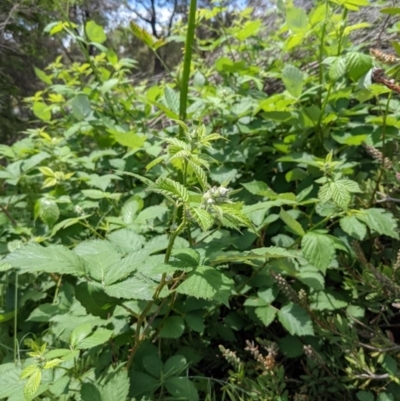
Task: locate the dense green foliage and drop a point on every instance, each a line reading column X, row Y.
column 153, row 235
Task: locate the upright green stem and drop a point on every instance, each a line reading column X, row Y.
column 320, row 131
column 16, row 319
column 138, row 336
column 321, row 55
column 187, row 62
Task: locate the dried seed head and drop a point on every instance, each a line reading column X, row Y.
column 268, row 362
column 313, row 355
column 384, row 58
column 378, row 155
column 359, row 253
column 397, row 263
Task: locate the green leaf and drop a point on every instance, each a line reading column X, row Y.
column 390, row 365
column 293, row 79
column 266, row 314
column 129, row 210
column 203, row 218
column 51, row 364
column 151, row 213
column 142, row 34
column 44, row 312
column 312, row 279
column 29, row 371
column 195, row 322
column 385, row 396
column 328, row 300
column 80, row 333
column 100, row 336
column 51, row 259
column 126, row 240
column 172, row 99
column 365, row 396
column 294, row 225
column 34, row 160
column 379, row 220
column 390, row 10
column 352, row 226
column 32, row 385
column 119, row 269
column 182, row 388
column 133, row 288
column 337, row 69
column 117, row 387
column 101, row 259
column 175, row 365
column 94, row 299
column 48, row 211
column 172, row 188
column 296, row 19
column 68, row 222
column 90, row 392
column 95, row 32
column 108, row 85
column 260, row 188
column 129, row 139
column 43, row 76
column 232, row 216
column 142, row 383
column 41, row 110
column 97, row 194
column 338, row 191
column 5, row 317
column 173, row 327
column 250, row 28
column 153, row 364
column 81, row 107
column 318, row 249
column 357, row 64
column 208, row 283
column 296, row 320
column 10, row 382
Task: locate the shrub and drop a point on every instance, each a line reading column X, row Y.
column 154, row 235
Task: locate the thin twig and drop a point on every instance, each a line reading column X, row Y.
column 4, row 24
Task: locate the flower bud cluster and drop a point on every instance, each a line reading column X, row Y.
column 215, row 195
column 230, row 357
column 377, row 155
column 286, row 288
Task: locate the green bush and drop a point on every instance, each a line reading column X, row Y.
column 152, row 236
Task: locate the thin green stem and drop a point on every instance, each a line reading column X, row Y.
column 140, row 336
column 58, row 285
column 90, row 228
column 320, row 132
column 88, row 59
column 255, row 272
column 343, row 27
column 16, row 318
column 173, row 238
